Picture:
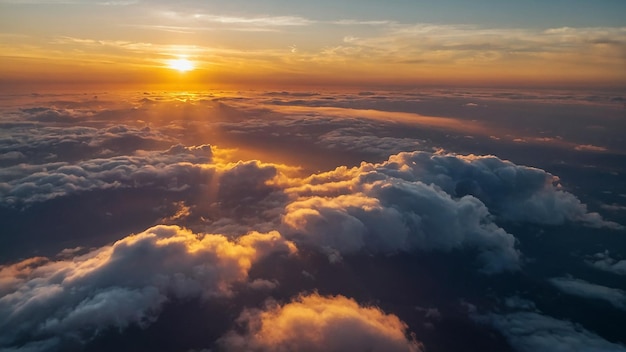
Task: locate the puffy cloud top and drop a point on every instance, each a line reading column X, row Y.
column 510, row 191
column 318, row 323
column 124, row 283
column 427, row 201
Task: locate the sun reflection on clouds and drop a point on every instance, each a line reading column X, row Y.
column 296, row 191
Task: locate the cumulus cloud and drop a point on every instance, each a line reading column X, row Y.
column 319, row 323
column 531, row 331
column 581, row 288
column 604, row 261
column 395, row 215
column 413, row 201
column 510, row 191
column 124, row 283
column 429, row 201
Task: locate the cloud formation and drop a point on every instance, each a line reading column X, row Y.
column 124, row 283
column 581, row 288
column 603, row 261
column 317, row 323
column 108, row 174
column 531, row 331
column 427, row 201
column 510, row 191
column 174, row 169
column 388, row 216
column 350, row 138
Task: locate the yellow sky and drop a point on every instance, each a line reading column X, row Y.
column 117, row 45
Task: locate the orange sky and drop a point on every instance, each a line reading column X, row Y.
column 130, row 43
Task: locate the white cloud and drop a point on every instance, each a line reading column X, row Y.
column 258, row 21
column 319, row 323
column 175, row 169
column 395, row 215
column 510, row 191
column 429, row 201
column 124, row 283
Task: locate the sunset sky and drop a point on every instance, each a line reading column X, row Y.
column 394, row 43
column 276, row 175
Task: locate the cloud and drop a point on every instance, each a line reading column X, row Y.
column 581, row 288
column 510, row 191
column 590, row 148
column 80, row 141
column 256, row 21
column 410, row 203
column 319, row 323
column 396, row 215
column 530, row 332
column 194, row 20
column 124, row 283
column 12, row 156
column 175, row 169
column 352, row 22
column 43, row 114
column 351, row 138
column 467, row 44
column 603, row 261
column 429, row 201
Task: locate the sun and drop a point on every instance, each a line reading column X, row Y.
column 181, row 65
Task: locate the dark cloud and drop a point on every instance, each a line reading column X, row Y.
column 40, row 144
column 12, row 156
column 581, row 288
column 604, row 261
column 531, row 331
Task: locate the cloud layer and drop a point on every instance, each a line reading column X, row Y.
column 385, row 238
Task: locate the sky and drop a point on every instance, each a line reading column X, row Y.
column 397, row 43
column 312, row 176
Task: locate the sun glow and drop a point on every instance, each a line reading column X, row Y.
column 181, row 65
